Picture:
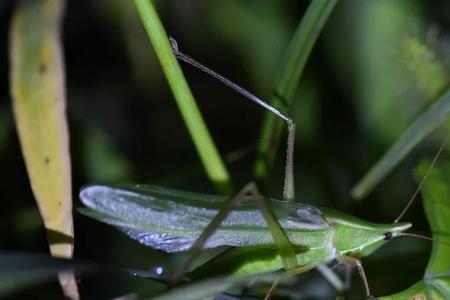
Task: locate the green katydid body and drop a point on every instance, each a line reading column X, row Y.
column 346, row 237
column 287, row 235
column 172, row 220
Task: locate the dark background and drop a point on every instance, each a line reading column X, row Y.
column 363, row 85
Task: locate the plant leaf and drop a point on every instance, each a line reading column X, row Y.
column 436, row 194
column 424, row 125
column 38, row 92
column 206, row 289
column 288, row 78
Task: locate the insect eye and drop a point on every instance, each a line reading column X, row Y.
column 388, row 236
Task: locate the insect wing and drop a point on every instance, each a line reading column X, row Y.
column 171, row 220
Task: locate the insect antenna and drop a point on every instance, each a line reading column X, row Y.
column 419, row 187
column 423, row 237
column 288, row 191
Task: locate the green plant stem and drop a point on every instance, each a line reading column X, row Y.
column 192, row 117
column 424, row 125
column 288, row 78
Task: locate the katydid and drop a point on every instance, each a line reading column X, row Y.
column 265, row 234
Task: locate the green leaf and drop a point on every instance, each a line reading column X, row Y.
column 206, row 289
column 204, row 144
column 288, row 78
column 436, row 194
column 423, row 126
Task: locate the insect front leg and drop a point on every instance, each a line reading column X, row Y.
column 361, row 272
column 347, row 269
column 295, row 271
column 352, row 261
column 329, row 274
column 302, row 269
column 356, row 262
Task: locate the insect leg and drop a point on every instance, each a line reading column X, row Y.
column 288, row 190
column 364, row 279
column 323, row 269
column 347, row 279
column 271, row 290
column 197, row 246
column 295, row 271
column 347, row 269
column 281, row 240
column 331, row 277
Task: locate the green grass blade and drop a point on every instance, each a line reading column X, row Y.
column 436, row 195
column 192, row 117
column 424, row 125
column 301, row 46
column 288, row 78
column 206, row 289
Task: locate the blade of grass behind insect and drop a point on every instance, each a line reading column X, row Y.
column 288, row 78
column 206, row 289
column 192, row 117
column 424, row 125
column 436, row 194
column 38, row 93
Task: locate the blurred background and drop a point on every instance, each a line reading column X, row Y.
column 375, row 67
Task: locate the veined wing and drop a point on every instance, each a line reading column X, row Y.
column 171, row 220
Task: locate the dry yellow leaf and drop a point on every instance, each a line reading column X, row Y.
column 38, row 92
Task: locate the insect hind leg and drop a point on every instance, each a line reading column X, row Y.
column 280, row 239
